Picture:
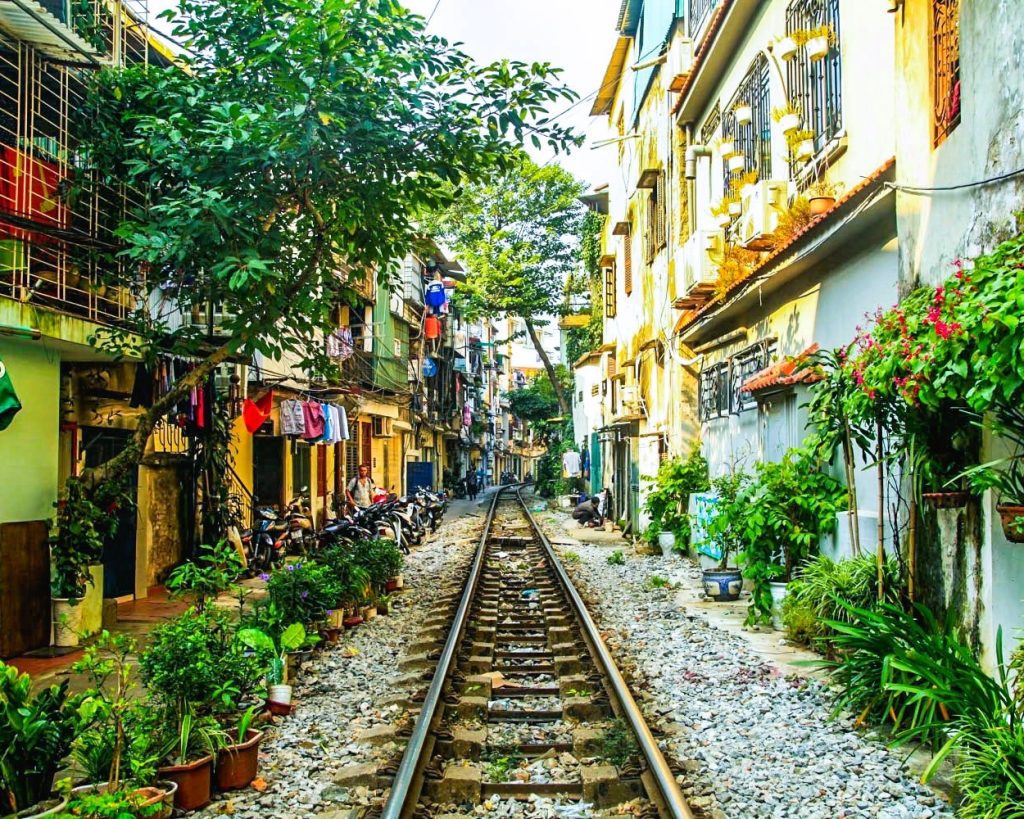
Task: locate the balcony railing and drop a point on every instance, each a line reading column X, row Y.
column 698, row 14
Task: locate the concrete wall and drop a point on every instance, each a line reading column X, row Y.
column 29, row 446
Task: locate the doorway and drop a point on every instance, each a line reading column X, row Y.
column 267, row 470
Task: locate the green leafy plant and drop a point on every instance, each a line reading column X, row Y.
column 571, row 557
column 304, row 592
column 726, row 526
column 668, row 501
column 658, row 582
column 36, row 733
column 193, row 738
column 380, row 558
column 273, row 645
column 107, row 804
column 76, row 542
column 824, row 591
column 617, row 744
column 783, row 512
column 213, row 571
column 616, row 558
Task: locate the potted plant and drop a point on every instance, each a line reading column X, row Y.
column 36, row 733
column 801, row 143
column 788, row 117
column 190, row 743
column 744, row 113
column 213, row 571
column 720, row 213
column 786, row 46
column 822, row 195
column 726, row 146
column 384, row 603
column 724, row 583
column 818, row 42
column 76, row 545
column 746, row 184
column 1005, row 476
column 273, row 646
column 667, row 502
column 736, row 162
column 238, row 761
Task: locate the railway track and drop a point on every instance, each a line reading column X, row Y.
column 526, row 701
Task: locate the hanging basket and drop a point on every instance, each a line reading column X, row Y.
column 790, row 122
column 817, row 48
column 736, row 162
column 786, row 48
column 1013, row 521
column 945, row 500
column 744, row 114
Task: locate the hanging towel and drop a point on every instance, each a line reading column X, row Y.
column 313, row 421
column 256, row 413
column 342, row 423
column 293, row 421
column 325, row 410
column 9, row 403
column 571, row 464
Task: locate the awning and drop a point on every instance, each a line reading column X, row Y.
column 784, row 373
column 29, row 21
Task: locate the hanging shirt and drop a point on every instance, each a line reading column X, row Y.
column 434, row 295
column 9, row 403
column 467, row 415
column 293, row 421
column 325, row 410
column 313, row 421
column 571, row 463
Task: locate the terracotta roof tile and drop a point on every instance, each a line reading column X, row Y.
column 705, row 46
column 784, row 373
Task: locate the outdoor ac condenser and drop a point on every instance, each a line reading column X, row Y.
column 701, row 256
column 761, row 213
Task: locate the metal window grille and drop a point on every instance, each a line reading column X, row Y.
column 713, row 393
column 699, row 12
column 815, row 86
column 945, row 67
column 710, row 127
column 46, row 238
column 744, row 365
column 753, row 140
column 609, row 292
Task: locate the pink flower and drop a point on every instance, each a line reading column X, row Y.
column 944, row 330
column 940, row 294
column 934, row 315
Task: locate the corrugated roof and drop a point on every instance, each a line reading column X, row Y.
column 612, row 76
column 29, row 22
column 784, row 373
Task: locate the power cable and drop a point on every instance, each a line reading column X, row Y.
column 917, row 190
column 431, row 15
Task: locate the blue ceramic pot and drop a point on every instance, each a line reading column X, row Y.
column 723, row 585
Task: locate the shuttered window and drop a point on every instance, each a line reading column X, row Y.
column 627, row 279
column 609, row 292
column 655, row 234
column 945, row 67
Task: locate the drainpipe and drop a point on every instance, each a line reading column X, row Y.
column 692, row 152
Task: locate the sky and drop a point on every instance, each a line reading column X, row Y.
column 575, row 35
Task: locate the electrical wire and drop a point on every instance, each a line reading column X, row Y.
column 432, row 13
column 917, row 190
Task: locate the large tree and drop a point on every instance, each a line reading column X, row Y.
column 298, row 148
column 518, row 235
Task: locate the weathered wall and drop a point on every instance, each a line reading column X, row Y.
column 29, row 446
column 161, row 520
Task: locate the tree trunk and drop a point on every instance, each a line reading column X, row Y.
column 851, row 483
column 880, row 454
column 563, row 403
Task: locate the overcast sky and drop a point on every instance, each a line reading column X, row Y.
column 575, row 35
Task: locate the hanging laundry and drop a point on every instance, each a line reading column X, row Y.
column 313, row 421
column 434, row 295
column 339, row 344
column 342, row 423
column 431, row 327
column 9, row 403
column 325, row 410
column 571, row 464
column 256, row 413
column 467, row 415
column 293, row 421
column 142, row 389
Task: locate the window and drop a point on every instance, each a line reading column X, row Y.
column 655, row 235
column 710, row 127
column 744, row 365
column 699, row 13
column 945, row 68
column 609, row 292
column 713, row 393
column 815, row 86
column 753, row 140
column 627, row 279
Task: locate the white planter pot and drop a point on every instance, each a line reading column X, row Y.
column 737, row 162
column 667, row 540
column 779, row 591
column 744, row 114
column 790, row 122
column 67, row 621
column 92, row 603
column 280, row 693
column 724, row 220
column 735, row 208
column 726, row 147
column 817, row 48
column 805, row 149
column 786, row 48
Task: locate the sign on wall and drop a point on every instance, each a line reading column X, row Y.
column 9, row 403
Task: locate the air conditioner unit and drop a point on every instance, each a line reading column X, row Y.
column 701, row 255
column 679, row 64
column 761, row 206
column 632, row 401
column 381, row 427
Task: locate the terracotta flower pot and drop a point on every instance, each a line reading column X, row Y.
column 279, row 709
column 352, row 622
column 331, row 634
column 236, row 764
column 194, row 781
column 818, row 205
column 1013, row 521
column 945, row 500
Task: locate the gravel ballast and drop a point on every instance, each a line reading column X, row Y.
column 752, row 741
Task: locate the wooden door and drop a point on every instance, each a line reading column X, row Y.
column 24, row 587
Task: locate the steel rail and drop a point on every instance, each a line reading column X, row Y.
column 672, row 797
column 398, row 804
